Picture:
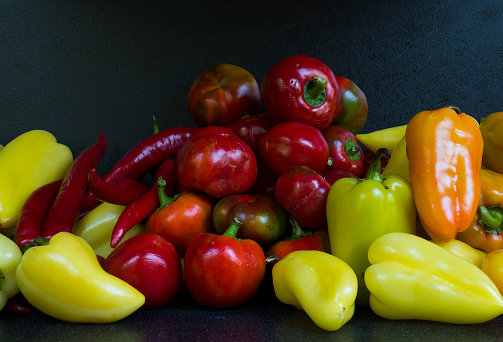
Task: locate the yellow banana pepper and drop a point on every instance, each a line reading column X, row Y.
column 463, row 250
column 96, row 227
column 386, row 138
column 413, row 278
column 319, row 283
column 65, row 280
column 10, row 257
column 29, row 161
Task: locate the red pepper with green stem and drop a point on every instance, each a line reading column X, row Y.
column 144, row 206
column 121, row 192
column 344, row 152
column 222, row 271
column 64, row 211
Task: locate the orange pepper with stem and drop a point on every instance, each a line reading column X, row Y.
column 444, row 148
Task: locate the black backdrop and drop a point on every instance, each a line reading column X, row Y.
column 78, row 68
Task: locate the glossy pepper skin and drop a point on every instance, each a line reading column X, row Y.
column 413, row 278
column 29, row 161
column 96, row 227
column 217, row 162
column 491, row 128
column 263, row 220
column 64, row 280
column 222, row 271
column 353, row 106
column 251, row 129
column 361, row 210
column 444, row 149
column 386, row 138
column 303, row 89
column 319, row 283
column 463, row 250
column 223, row 94
column 10, row 258
column 343, row 149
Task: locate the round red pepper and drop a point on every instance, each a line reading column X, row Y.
column 263, row 220
column 303, row 193
column 289, row 144
column 182, row 217
column 217, row 164
column 303, row 89
column 222, row 95
column 353, row 106
column 251, row 129
column 331, row 176
column 343, row 149
column 150, row 264
column 222, row 271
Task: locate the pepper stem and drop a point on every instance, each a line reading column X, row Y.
column 156, row 128
column 314, row 91
column 374, row 171
column 38, row 241
column 233, row 228
column 352, row 150
column 297, row 231
column 164, row 198
column 491, row 218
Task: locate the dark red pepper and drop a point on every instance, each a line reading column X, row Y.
column 331, row 176
column 251, row 129
column 64, row 211
column 144, row 156
column 122, row 191
column 15, row 305
column 140, row 209
column 33, row 213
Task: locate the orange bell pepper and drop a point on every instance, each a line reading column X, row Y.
column 479, row 234
column 444, row 148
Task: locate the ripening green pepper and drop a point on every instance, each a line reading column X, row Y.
column 361, row 210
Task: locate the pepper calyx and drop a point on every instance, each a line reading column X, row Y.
column 374, row 171
column 314, row 91
column 491, row 218
column 233, row 229
column 352, row 150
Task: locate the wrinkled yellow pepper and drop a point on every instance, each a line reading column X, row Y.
column 65, row 280
column 26, row 163
column 319, row 283
column 413, row 278
column 463, row 250
column 386, row 138
column 10, row 257
column 96, row 227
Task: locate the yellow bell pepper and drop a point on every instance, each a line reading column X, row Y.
column 29, row 161
column 359, row 211
column 96, row 227
column 413, row 278
column 322, row 285
column 386, row 138
column 65, row 280
column 10, row 257
column 463, row 250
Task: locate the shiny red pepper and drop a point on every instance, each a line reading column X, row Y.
column 251, row 129
column 344, row 151
column 64, row 211
column 122, row 191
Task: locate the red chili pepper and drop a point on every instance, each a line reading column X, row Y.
column 34, row 211
column 144, row 156
column 122, row 191
column 65, row 210
column 140, row 209
column 14, row 305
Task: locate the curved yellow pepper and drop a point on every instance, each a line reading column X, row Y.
column 26, row 163
column 65, row 280
column 386, row 138
column 413, row 278
column 319, row 283
column 96, row 227
column 10, row 257
column 463, row 250
column 398, row 164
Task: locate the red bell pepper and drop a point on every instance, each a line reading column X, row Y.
column 222, row 271
column 344, row 152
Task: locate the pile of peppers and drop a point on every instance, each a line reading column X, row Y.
column 406, row 220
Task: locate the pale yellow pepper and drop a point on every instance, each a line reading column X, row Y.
column 29, row 161
column 319, row 283
column 10, row 257
column 65, row 280
column 464, row 250
column 413, row 278
column 96, row 227
column 386, row 138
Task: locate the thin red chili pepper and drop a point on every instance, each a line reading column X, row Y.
column 33, row 213
column 144, row 156
column 15, row 305
column 140, row 209
column 65, row 210
column 122, row 191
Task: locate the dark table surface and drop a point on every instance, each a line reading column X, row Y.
column 78, row 68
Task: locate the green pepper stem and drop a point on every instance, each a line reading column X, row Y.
column 491, row 218
column 314, row 91
column 374, row 171
column 297, row 231
column 156, row 128
column 272, row 259
column 38, row 241
column 233, row 228
column 352, row 150
column 164, row 198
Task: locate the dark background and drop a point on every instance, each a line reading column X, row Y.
column 78, row 68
